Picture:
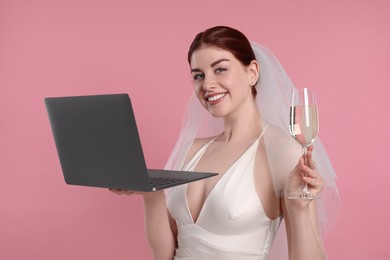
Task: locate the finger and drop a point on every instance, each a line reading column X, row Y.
column 309, row 172
column 315, row 183
column 301, row 164
column 310, row 161
column 127, row 192
column 121, row 192
column 116, row 191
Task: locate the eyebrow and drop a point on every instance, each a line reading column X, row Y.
column 218, row 61
column 211, row 65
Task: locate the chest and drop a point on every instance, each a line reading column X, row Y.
column 229, row 197
column 232, row 206
column 219, row 157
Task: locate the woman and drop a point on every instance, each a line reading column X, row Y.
column 236, row 215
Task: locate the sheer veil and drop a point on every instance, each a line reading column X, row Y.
column 273, row 100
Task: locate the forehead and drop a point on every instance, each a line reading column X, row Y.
column 207, row 55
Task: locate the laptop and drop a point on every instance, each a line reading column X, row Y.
column 98, row 145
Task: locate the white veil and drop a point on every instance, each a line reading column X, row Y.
column 273, row 100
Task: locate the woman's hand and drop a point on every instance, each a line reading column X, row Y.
column 123, row 192
column 305, row 174
column 149, row 197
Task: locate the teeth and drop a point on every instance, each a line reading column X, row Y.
column 213, row 98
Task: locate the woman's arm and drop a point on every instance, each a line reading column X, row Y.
column 158, row 226
column 301, row 215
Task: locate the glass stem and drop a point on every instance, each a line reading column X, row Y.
column 305, row 188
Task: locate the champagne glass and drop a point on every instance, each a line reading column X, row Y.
column 304, row 126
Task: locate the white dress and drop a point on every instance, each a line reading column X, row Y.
column 232, row 223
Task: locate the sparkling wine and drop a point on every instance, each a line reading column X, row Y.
column 304, row 124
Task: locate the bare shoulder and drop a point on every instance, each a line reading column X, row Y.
column 282, row 150
column 281, row 143
column 196, row 146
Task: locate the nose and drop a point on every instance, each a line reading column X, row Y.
column 209, row 84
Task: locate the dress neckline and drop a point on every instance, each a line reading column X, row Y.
column 198, row 156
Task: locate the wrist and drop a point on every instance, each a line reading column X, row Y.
column 299, row 206
column 153, row 197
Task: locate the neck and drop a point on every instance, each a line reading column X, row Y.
column 242, row 124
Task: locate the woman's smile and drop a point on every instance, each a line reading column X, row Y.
column 215, row 98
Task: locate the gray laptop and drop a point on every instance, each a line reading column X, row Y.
column 98, row 145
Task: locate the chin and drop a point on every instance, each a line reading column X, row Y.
column 217, row 111
column 217, row 114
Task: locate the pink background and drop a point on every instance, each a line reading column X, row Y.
column 52, row 48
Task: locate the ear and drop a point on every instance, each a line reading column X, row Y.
column 253, row 72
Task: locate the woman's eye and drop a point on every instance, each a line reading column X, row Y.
column 219, row 70
column 198, row 76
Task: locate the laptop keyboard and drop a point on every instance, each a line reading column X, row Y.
column 158, row 181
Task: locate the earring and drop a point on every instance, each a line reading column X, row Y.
column 254, row 81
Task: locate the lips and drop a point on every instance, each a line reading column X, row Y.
column 215, row 97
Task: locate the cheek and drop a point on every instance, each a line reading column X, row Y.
column 234, row 79
column 199, row 94
column 242, row 82
column 198, row 90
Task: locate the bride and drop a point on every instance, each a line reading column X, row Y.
column 235, row 125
